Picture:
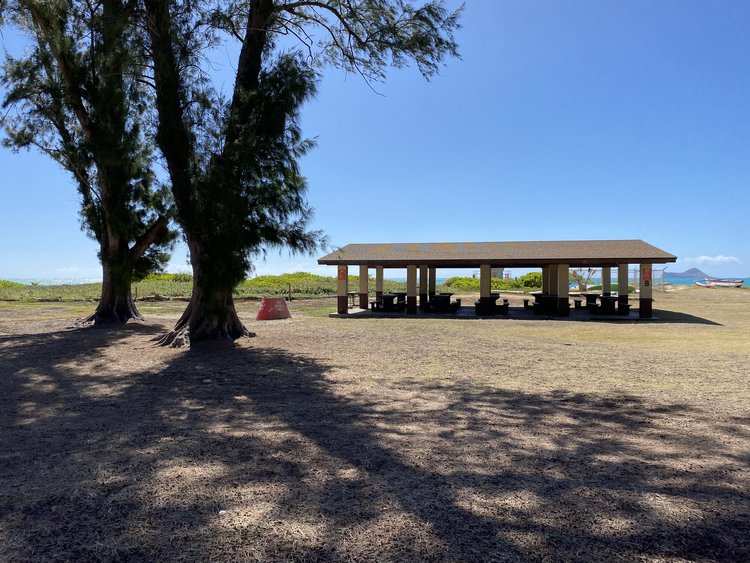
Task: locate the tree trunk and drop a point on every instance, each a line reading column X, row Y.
column 116, row 304
column 209, row 316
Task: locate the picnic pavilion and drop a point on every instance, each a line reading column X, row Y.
column 555, row 258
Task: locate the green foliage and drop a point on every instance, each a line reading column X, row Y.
column 472, row 284
column 305, row 284
column 462, row 284
column 302, row 284
column 255, row 196
column 531, row 280
column 182, row 277
column 615, row 287
column 368, row 36
column 74, row 94
column 234, row 162
column 20, row 292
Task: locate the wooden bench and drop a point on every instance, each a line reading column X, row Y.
column 491, row 308
column 578, row 303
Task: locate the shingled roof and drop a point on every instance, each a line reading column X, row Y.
column 500, row 254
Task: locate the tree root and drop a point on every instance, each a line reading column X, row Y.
column 111, row 317
column 183, row 336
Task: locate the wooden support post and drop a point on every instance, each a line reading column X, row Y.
column 646, row 299
column 411, row 290
column 379, row 283
column 485, row 287
column 545, row 279
column 364, row 274
column 433, row 283
column 342, row 289
column 622, row 284
column 606, row 280
column 423, row 275
column 554, row 278
column 563, row 305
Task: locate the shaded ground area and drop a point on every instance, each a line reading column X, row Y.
column 392, row 440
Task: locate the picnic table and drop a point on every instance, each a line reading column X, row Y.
column 608, row 304
column 400, row 297
column 441, row 303
column 390, row 302
column 491, row 307
column 545, row 303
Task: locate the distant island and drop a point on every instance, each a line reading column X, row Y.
column 691, row 273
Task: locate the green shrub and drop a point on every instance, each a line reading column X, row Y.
column 81, row 292
column 472, row 284
column 302, row 283
column 615, row 287
column 168, row 278
column 462, row 284
column 6, row 283
column 505, row 284
column 531, row 280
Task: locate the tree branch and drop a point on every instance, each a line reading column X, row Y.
column 66, row 71
column 338, row 15
column 148, row 238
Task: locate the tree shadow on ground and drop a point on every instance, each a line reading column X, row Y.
column 248, row 453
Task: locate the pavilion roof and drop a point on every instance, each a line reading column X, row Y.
column 500, row 254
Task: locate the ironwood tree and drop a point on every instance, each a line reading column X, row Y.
column 233, row 162
column 75, row 95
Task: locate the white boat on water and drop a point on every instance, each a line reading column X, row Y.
column 720, row 282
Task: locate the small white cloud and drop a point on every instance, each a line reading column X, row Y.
column 711, row 260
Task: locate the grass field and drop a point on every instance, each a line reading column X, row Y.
column 379, row 439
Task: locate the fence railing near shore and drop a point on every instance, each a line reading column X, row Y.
column 657, row 278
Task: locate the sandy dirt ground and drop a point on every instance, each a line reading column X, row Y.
column 379, row 439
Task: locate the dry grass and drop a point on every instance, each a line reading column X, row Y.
column 380, row 440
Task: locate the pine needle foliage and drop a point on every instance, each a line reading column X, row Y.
column 234, row 162
column 74, row 94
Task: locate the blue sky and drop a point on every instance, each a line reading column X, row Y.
column 562, row 120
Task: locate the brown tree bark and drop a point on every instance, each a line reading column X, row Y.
column 116, row 305
column 210, row 315
column 207, row 318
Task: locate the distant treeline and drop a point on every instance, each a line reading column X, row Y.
column 299, row 284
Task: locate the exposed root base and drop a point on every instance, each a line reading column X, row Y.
column 182, row 337
column 97, row 319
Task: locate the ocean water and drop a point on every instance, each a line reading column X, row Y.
column 691, row 281
column 667, row 280
column 595, row 281
column 54, row 281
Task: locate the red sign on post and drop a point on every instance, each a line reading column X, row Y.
column 646, row 274
column 342, row 272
